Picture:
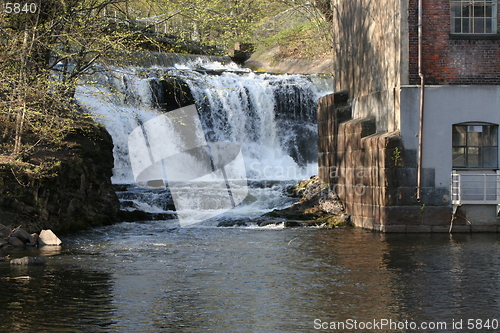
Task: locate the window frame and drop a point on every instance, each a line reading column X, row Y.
column 488, row 143
column 470, row 19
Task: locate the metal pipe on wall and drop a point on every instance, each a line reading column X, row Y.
column 422, row 101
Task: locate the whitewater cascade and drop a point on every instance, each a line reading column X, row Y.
column 271, row 117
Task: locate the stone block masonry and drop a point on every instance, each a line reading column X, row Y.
column 375, row 176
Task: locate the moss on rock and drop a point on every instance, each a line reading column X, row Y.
column 318, row 206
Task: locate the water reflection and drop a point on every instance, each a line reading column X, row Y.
column 445, row 277
column 52, row 250
column 54, row 299
column 126, row 278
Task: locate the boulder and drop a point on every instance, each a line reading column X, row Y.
column 233, row 223
column 47, row 237
column 318, row 206
column 22, row 234
column 4, row 231
column 28, row 261
column 3, row 242
column 14, row 241
column 331, row 204
column 71, row 191
column 33, row 239
column 139, row 215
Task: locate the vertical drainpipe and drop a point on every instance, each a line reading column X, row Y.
column 422, row 100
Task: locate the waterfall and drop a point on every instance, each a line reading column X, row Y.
column 270, row 117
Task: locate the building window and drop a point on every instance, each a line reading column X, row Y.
column 475, row 146
column 473, row 17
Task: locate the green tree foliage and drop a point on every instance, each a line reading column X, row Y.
column 303, row 31
column 214, row 22
column 42, row 55
column 45, row 50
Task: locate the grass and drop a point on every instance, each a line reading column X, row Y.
column 304, row 41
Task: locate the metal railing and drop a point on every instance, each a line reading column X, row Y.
column 475, row 188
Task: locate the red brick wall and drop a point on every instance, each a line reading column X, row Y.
column 447, row 60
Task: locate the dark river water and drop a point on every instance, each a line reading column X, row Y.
column 151, row 277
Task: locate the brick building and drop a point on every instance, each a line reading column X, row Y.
column 410, row 142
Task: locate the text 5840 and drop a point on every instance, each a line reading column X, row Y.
column 19, row 8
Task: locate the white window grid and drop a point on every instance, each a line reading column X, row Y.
column 474, row 17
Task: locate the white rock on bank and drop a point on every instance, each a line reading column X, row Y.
column 47, row 237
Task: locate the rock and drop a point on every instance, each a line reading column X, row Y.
column 22, row 234
column 4, row 231
column 335, row 221
column 311, row 188
column 70, row 191
column 14, row 241
column 47, row 237
column 345, row 219
column 33, row 239
column 331, row 205
column 3, row 242
column 318, row 206
column 28, row 261
column 232, row 223
column 139, row 215
column 266, row 222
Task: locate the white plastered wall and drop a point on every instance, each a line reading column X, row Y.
column 444, row 106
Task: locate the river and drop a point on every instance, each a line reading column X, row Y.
column 196, row 276
column 154, row 277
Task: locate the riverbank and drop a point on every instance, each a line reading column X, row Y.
column 269, row 60
column 20, row 238
column 64, row 186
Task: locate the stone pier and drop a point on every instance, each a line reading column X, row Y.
column 375, row 176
